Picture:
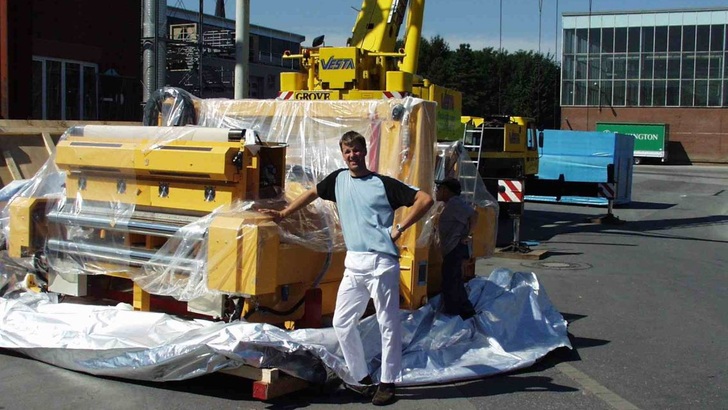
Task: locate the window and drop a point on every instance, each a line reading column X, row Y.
column 581, row 40
column 633, row 66
column 595, row 97
column 580, row 93
column 714, row 92
column 686, row 93
column 620, row 66
column 64, row 90
column 595, row 41
column 619, row 92
column 647, row 65
column 660, row 65
column 567, row 68
column 674, row 38
column 620, row 40
column 569, row 41
column 52, row 92
column 688, row 38
column 594, row 67
column 608, row 40
column 606, row 93
column 633, row 40
column 716, row 38
column 661, row 39
column 701, row 93
column 646, row 93
column 648, row 39
column 90, row 93
column 658, row 93
column 581, row 67
column 715, row 63
column 37, row 90
column 567, row 93
column 633, row 89
column 73, row 91
column 688, row 66
column 673, row 65
column 701, row 65
column 703, row 38
column 673, row 93
column 607, row 66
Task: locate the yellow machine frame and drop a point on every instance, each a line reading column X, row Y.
column 187, row 179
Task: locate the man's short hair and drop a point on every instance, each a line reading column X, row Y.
column 452, row 184
column 352, row 137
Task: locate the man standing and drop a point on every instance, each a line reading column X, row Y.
column 366, row 202
column 457, row 222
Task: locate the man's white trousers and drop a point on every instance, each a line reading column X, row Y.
column 368, row 275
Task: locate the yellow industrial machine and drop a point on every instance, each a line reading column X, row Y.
column 370, row 66
column 170, row 212
column 128, row 190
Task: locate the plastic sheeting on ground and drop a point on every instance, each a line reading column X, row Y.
column 516, row 325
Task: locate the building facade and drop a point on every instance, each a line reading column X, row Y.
column 650, row 67
column 82, row 60
column 56, row 62
column 266, row 48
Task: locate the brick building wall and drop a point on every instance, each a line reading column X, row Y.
column 695, row 134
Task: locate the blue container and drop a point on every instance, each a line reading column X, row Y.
column 574, row 163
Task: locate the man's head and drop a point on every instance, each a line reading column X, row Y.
column 447, row 188
column 354, row 150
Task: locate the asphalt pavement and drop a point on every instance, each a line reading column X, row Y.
column 645, row 300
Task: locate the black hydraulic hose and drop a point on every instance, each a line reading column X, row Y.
column 273, row 311
column 182, row 100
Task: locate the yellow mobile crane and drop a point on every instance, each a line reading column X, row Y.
column 504, row 150
column 502, row 147
column 370, row 66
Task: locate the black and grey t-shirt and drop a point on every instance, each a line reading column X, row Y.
column 366, row 208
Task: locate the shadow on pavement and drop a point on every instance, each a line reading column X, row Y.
column 539, row 225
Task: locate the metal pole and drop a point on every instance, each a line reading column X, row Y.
column 160, row 43
column 242, row 47
column 149, row 57
column 199, row 50
column 610, row 207
column 517, row 231
column 4, row 66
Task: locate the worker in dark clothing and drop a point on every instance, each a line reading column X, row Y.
column 455, row 227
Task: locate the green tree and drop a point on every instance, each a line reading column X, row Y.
column 434, row 60
column 524, row 83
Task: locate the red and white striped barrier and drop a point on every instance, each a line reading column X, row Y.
column 387, row 95
column 510, row 190
column 607, row 190
column 326, row 95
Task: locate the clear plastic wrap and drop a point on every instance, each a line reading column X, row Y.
column 166, row 207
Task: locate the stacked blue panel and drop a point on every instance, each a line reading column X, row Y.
column 584, row 157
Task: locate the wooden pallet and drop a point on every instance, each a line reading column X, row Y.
column 269, row 383
column 27, row 144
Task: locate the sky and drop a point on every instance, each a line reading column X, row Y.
column 480, row 23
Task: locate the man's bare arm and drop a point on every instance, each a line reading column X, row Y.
column 300, row 202
column 423, row 203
